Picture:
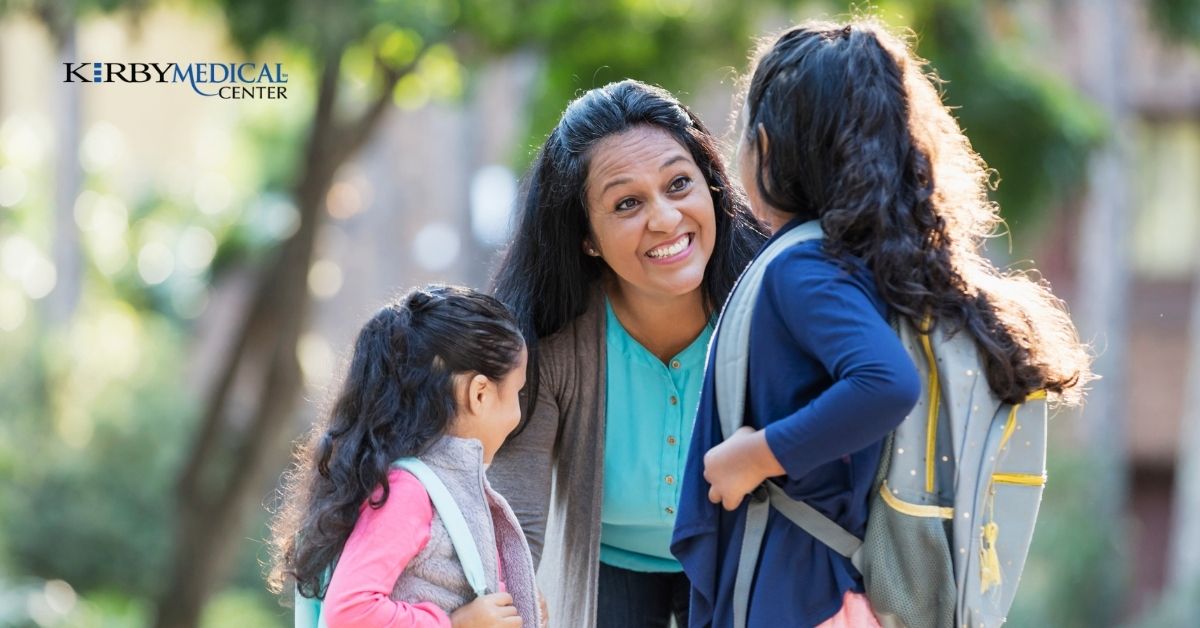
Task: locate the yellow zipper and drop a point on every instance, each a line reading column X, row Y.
column 1009, row 427
column 1020, row 479
column 934, row 401
column 1011, row 424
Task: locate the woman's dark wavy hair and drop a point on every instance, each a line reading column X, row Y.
column 544, row 276
column 858, row 137
column 397, row 399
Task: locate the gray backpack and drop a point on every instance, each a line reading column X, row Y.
column 959, row 484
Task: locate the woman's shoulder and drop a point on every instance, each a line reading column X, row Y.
column 579, row 339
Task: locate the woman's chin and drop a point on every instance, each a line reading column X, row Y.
column 683, row 283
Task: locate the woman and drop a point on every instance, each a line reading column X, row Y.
column 629, row 238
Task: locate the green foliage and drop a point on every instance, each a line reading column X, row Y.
column 90, row 501
column 582, row 45
column 672, row 44
column 1033, row 130
column 1179, row 20
column 243, row 608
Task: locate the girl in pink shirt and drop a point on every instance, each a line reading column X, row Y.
column 436, row 376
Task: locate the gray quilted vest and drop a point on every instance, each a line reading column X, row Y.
column 435, row 573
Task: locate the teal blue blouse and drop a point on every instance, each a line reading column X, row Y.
column 649, row 413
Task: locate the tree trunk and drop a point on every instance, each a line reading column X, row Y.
column 68, row 178
column 227, row 465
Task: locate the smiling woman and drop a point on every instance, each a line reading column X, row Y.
column 629, row 237
column 653, row 224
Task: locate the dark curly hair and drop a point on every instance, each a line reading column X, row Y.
column 857, row 136
column 544, row 276
column 397, row 400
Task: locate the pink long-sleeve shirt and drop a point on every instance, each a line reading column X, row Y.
column 382, row 544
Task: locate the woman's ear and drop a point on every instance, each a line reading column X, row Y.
column 589, row 248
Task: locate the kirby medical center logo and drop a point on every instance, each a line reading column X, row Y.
column 228, row 81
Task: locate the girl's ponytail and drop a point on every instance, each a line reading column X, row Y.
column 397, row 400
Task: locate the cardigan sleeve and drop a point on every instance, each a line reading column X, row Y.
column 831, row 316
column 383, row 542
column 523, row 469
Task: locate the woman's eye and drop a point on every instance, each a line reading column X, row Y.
column 626, row 204
column 679, row 184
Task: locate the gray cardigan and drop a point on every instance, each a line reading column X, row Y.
column 552, row 473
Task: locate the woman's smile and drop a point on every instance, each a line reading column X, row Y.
column 672, row 251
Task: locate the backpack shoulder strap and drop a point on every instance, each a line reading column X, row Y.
column 308, row 611
column 452, row 518
column 733, row 348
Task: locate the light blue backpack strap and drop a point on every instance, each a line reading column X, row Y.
column 732, row 357
column 308, row 609
column 452, row 518
column 308, row 612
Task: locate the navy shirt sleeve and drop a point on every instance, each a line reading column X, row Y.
column 836, row 319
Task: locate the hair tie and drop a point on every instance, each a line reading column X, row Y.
column 421, row 300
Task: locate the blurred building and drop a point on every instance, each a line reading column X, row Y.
column 1159, row 89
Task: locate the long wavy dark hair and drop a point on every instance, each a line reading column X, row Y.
column 544, row 276
column 858, row 137
column 397, row 400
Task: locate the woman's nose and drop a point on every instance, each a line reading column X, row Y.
column 664, row 216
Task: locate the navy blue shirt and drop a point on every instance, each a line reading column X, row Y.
column 828, row 380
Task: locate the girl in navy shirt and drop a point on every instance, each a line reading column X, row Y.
column 843, row 127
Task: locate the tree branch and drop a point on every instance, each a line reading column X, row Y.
column 359, row 131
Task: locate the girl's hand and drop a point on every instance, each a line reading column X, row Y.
column 545, row 609
column 490, row 611
column 737, row 466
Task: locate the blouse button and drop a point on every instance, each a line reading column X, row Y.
column 674, row 400
column 670, row 479
column 674, row 364
column 670, row 511
column 671, row 440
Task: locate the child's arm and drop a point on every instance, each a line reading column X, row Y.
column 875, row 384
column 829, row 315
column 383, row 542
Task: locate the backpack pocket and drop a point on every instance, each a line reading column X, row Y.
column 1012, row 495
column 907, row 568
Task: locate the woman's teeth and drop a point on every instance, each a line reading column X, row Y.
column 674, row 249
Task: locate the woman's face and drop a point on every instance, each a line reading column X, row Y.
column 651, row 213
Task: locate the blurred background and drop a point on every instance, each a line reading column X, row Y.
column 181, row 276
